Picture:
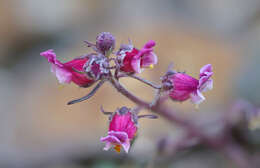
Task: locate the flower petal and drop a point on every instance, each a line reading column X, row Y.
column 148, row 60
column 126, row 145
column 205, row 69
column 122, row 136
column 51, row 57
column 136, row 65
column 180, row 95
column 208, row 85
column 108, row 146
column 197, row 97
column 150, row 44
column 111, row 139
column 62, row 74
column 123, row 123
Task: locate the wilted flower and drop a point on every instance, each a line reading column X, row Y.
column 132, row 60
column 122, row 130
column 183, row 86
column 96, row 67
column 65, row 72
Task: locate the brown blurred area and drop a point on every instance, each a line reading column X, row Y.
column 36, row 125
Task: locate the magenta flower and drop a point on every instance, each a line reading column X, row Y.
column 132, row 60
column 65, row 72
column 122, row 129
column 183, row 86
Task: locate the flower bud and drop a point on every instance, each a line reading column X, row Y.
column 105, row 42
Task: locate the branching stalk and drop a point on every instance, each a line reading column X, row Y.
column 88, row 95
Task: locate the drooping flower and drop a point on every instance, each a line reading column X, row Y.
column 132, row 60
column 183, row 86
column 65, row 72
column 122, row 130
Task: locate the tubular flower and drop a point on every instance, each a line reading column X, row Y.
column 183, row 86
column 132, row 60
column 65, row 72
column 122, row 130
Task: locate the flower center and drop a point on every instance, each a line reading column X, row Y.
column 117, row 148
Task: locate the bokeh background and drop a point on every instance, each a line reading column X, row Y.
column 38, row 129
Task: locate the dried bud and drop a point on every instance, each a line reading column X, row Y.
column 96, row 67
column 105, row 42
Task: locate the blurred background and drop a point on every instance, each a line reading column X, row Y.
column 38, row 129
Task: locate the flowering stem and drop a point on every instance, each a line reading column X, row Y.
column 150, row 116
column 157, row 98
column 142, row 80
column 128, row 94
column 88, row 95
column 217, row 142
column 105, row 112
column 166, row 112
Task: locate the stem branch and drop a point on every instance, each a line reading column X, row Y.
column 231, row 150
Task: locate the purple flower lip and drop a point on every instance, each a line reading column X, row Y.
column 118, row 139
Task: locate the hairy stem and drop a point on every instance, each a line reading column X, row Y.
column 141, row 80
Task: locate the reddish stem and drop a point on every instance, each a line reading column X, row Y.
column 219, row 143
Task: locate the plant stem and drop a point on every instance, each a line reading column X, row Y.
column 165, row 112
column 219, row 143
column 141, row 80
column 88, row 95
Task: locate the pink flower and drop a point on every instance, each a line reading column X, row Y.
column 184, row 86
column 122, row 129
column 64, row 71
column 133, row 60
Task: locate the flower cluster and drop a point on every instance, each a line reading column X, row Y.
column 87, row 69
column 105, row 64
